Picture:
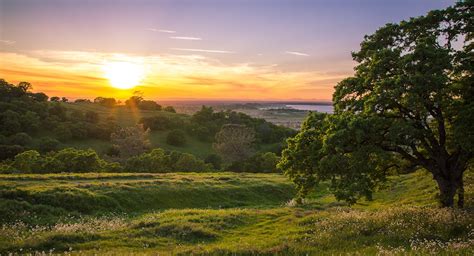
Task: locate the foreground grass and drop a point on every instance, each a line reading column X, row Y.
column 39, row 199
column 402, row 219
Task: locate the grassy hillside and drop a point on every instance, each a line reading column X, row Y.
column 230, row 214
column 128, row 117
column 56, row 195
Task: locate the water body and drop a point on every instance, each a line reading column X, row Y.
column 318, row 108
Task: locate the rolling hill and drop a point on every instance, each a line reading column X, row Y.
column 223, row 214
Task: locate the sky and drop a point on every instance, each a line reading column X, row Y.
column 191, row 49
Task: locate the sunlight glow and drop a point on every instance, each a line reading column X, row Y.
column 123, row 75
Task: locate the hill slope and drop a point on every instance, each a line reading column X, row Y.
column 255, row 220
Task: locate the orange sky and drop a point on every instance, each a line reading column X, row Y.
column 80, row 74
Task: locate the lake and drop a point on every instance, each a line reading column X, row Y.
column 318, row 108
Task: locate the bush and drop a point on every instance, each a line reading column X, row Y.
column 27, row 162
column 76, row 160
column 66, row 160
column 161, row 161
column 176, row 138
column 189, row 163
column 214, row 160
column 155, row 161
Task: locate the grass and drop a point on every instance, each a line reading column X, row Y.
column 224, row 214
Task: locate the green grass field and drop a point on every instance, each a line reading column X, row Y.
column 223, row 214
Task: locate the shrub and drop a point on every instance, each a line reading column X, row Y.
column 189, row 163
column 268, row 162
column 161, row 161
column 76, row 160
column 66, row 160
column 176, row 138
column 155, row 161
column 28, row 161
column 214, row 160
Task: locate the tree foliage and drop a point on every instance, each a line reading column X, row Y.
column 234, row 142
column 131, row 141
column 411, row 99
column 159, row 160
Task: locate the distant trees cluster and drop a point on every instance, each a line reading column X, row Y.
column 24, row 114
column 206, row 123
column 140, row 103
column 35, row 129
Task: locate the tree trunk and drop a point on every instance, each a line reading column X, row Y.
column 447, row 189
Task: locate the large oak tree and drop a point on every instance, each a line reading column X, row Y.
column 410, row 104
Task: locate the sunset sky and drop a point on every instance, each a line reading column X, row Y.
column 190, row 49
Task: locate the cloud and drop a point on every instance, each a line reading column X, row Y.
column 200, row 50
column 297, row 53
column 171, row 76
column 161, row 30
column 186, row 38
column 7, row 42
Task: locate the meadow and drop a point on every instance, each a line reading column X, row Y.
column 223, row 214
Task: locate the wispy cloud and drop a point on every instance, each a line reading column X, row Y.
column 186, row 38
column 161, row 30
column 297, row 53
column 79, row 73
column 200, row 50
column 7, row 42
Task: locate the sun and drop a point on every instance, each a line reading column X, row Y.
column 123, row 75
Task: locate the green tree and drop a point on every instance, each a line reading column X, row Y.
column 411, row 98
column 234, row 142
column 55, row 99
column 169, row 109
column 107, row 102
column 131, row 141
